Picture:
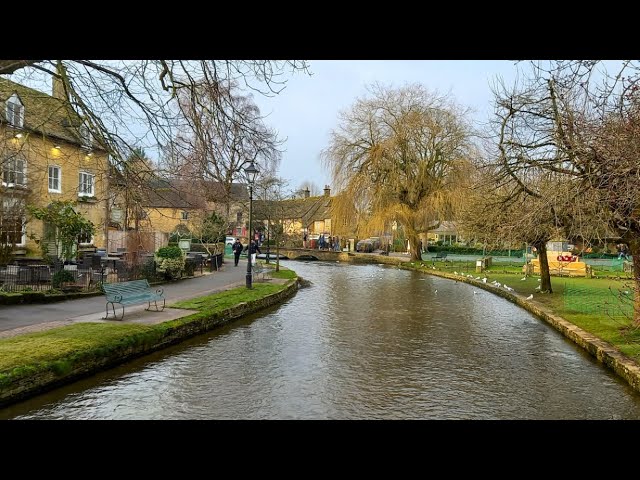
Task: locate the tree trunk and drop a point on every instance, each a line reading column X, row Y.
column 545, row 284
column 414, row 241
column 634, row 249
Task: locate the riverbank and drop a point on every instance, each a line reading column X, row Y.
column 36, row 362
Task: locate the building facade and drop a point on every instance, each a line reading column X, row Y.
column 47, row 154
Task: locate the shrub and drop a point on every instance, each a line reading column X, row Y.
column 170, row 261
column 61, row 277
column 169, row 252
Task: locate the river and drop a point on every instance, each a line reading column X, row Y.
column 362, row 342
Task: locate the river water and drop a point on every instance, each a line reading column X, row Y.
column 362, row 342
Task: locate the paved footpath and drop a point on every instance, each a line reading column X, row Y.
column 19, row 319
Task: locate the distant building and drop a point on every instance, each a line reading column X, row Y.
column 446, row 232
column 309, row 215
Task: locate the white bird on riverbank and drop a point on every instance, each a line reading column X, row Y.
column 523, row 279
column 530, row 297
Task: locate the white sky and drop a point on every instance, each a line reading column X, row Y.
column 307, row 110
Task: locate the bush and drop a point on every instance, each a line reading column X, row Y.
column 170, row 261
column 61, row 277
column 169, row 252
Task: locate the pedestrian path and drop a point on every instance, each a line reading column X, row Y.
column 20, row 319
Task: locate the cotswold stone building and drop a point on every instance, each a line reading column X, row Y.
column 46, row 154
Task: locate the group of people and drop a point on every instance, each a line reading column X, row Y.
column 329, row 243
column 324, row 243
column 253, row 248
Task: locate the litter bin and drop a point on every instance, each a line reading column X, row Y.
column 313, row 243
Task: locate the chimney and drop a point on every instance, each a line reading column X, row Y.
column 306, row 192
column 57, row 90
column 327, row 191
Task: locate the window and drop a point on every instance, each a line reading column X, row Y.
column 12, row 224
column 185, row 215
column 345, row 221
column 85, row 184
column 54, row 179
column 238, row 232
column 15, row 111
column 13, row 171
column 85, row 239
column 239, row 217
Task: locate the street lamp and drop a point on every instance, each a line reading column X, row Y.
column 251, row 172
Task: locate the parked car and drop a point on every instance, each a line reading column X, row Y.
column 229, row 240
column 365, row 246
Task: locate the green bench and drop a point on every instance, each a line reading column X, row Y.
column 130, row 293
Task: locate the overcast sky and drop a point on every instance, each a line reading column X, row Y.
column 307, row 110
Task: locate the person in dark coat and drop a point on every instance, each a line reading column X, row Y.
column 237, row 250
column 253, row 250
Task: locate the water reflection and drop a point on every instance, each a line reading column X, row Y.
column 361, row 342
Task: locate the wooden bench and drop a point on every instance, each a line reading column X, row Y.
column 440, row 255
column 130, row 293
column 259, row 270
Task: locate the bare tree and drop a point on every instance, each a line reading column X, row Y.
column 221, row 138
column 576, row 121
column 126, row 104
column 402, row 153
column 270, row 208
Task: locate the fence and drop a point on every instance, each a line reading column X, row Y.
column 86, row 276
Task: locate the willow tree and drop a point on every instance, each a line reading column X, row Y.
column 402, row 152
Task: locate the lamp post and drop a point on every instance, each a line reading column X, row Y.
column 268, row 238
column 251, row 172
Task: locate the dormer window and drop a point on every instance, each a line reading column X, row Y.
column 86, row 137
column 15, row 111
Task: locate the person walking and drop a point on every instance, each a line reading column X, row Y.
column 237, row 250
column 253, row 251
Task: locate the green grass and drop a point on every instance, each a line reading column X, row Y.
column 284, row 273
column 59, row 349
column 223, row 300
column 581, row 307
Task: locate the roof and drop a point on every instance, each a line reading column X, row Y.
column 445, row 227
column 171, row 193
column 43, row 113
column 307, row 210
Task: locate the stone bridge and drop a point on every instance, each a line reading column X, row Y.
column 331, row 256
